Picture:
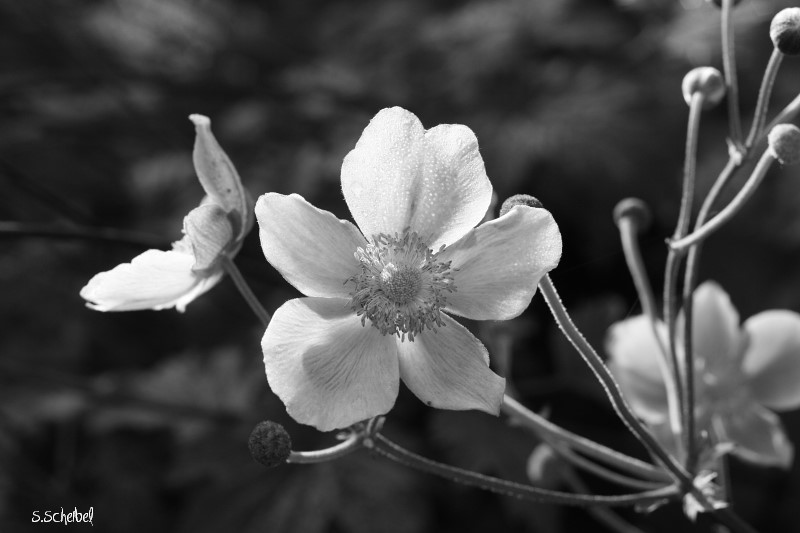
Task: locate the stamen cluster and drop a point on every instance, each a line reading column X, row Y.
column 401, row 287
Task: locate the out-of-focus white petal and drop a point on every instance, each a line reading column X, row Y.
column 216, row 172
column 209, row 231
column 501, row 262
column 633, row 351
column 454, row 193
column 381, row 175
column 152, row 280
column 310, row 247
column 717, row 338
column 449, row 369
column 772, row 358
column 328, row 369
column 758, row 436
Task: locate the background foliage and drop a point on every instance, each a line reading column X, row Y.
column 145, row 416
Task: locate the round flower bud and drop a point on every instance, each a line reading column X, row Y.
column 784, row 143
column 269, row 444
column 785, row 31
column 544, row 467
column 635, row 209
column 519, row 199
column 706, row 80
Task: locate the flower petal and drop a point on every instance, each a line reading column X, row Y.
column 449, row 369
column 717, row 338
column 152, row 280
column 634, row 352
column 311, row 248
column 772, row 358
column 454, row 192
column 758, row 436
column 328, row 369
column 500, row 263
column 400, row 176
column 216, row 173
column 209, row 231
column 381, row 175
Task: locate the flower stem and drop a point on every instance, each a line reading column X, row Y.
column 723, row 515
column 764, row 94
column 556, row 434
column 609, row 518
column 630, row 246
column 244, row 289
column 731, row 209
column 729, row 68
column 386, row 448
column 600, row 471
column 352, row 443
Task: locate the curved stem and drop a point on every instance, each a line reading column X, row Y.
column 731, row 209
column 352, row 443
column 787, row 114
column 386, row 448
column 729, row 68
column 601, row 471
column 633, row 257
column 723, row 515
column 556, row 434
column 603, row 515
column 764, row 94
column 244, row 289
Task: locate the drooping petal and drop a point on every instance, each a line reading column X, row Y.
column 772, row 358
column 454, row 192
column 501, row 262
column 216, row 172
column 152, row 280
column 449, row 369
column 311, row 248
column 380, row 176
column 210, row 232
column 328, row 369
column 758, row 436
column 633, row 350
column 717, row 338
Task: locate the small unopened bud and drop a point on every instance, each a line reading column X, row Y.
column 270, row 444
column 784, row 143
column 707, row 81
column 519, row 199
column 545, row 468
column 636, row 210
column 785, row 31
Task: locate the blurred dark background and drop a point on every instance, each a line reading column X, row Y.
column 144, row 416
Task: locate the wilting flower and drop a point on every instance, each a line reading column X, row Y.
column 740, row 374
column 377, row 299
column 159, row 279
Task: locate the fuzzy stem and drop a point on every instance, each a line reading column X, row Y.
column 731, row 209
column 729, row 68
column 554, row 433
column 352, row 443
column 386, row 448
column 764, row 94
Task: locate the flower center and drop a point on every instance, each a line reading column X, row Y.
column 401, row 286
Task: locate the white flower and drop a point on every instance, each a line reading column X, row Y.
column 159, row 279
column 377, row 300
column 741, row 374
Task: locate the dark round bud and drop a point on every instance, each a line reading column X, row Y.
column 269, row 444
column 785, row 31
column 784, row 143
column 545, row 468
column 519, row 199
column 636, row 210
column 718, row 3
column 705, row 80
